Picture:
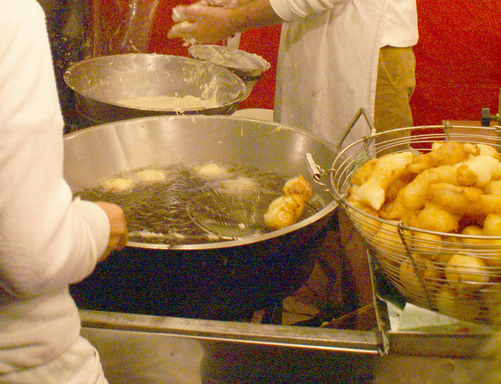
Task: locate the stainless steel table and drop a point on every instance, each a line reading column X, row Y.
column 151, row 349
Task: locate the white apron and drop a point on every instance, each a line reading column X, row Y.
column 327, row 69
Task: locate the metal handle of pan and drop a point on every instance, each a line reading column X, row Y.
column 316, row 172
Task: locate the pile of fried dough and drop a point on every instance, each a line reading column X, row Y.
column 450, row 198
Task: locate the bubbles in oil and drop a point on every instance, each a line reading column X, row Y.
column 155, row 199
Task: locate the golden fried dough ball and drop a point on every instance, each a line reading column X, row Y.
column 298, row 186
column 388, row 241
column 413, row 196
column 414, row 275
column 286, row 209
column 427, row 244
column 493, row 187
column 466, row 272
column 460, row 304
column 434, row 218
column 386, row 170
column 448, row 153
column 463, row 200
column 478, row 171
column 398, row 184
column 368, row 226
column 473, row 230
column 486, row 149
column 363, row 172
column 282, row 212
column 492, row 225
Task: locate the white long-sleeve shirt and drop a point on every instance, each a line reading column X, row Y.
column 47, row 240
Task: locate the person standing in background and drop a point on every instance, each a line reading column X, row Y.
column 335, row 57
column 48, row 240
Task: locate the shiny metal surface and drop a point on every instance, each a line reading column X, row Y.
column 151, row 349
column 246, row 65
column 99, row 83
column 102, row 151
column 249, row 333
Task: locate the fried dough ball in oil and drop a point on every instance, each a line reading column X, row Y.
column 119, row 185
column 298, row 186
column 283, row 212
column 287, row 209
column 150, row 175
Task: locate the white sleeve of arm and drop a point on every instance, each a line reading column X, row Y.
column 47, row 240
column 290, row 10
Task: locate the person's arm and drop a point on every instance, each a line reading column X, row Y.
column 47, row 239
column 210, row 21
column 210, row 24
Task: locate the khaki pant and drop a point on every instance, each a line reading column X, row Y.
column 395, row 84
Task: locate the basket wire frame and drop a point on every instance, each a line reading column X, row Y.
column 417, row 269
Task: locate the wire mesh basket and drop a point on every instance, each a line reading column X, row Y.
column 456, row 272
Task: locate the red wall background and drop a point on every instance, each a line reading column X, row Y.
column 458, row 58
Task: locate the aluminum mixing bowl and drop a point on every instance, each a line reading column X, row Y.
column 101, row 83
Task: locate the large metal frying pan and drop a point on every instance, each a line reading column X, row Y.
column 106, row 150
column 222, row 280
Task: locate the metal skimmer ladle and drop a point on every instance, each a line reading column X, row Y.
column 235, row 214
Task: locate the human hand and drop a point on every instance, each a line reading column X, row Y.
column 205, row 21
column 118, row 228
column 210, row 21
